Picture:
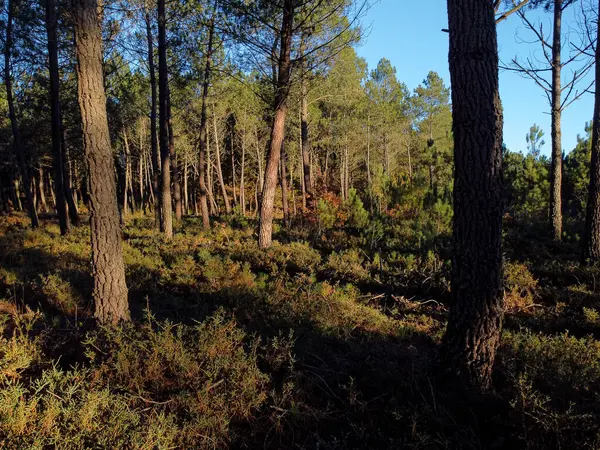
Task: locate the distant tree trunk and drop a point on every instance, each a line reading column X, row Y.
column 557, row 156
column 214, row 208
column 174, row 161
column 203, row 128
column 242, row 171
column 158, row 222
column 69, row 196
column 591, row 244
column 141, row 161
column 110, row 290
column 306, row 146
column 474, row 324
column 18, row 142
column 265, row 227
column 220, row 168
column 127, row 176
column 41, row 196
column 163, row 129
column 284, row 188
column 55, row 113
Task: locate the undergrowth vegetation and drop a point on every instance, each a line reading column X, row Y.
column 326, row 340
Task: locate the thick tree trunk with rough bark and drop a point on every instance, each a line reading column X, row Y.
column 163, row 128
column 591, row 244
column 475, row 321
column 55, row 113
column 265, row 220
column 18, row 142
column 110, row 289
column 153, row 127
column 557, row 154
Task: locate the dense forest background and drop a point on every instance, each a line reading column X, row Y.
column 287, row 248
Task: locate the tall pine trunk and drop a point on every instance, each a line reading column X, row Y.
column 55, row 114
column 163, row 128
column 153, row 126
column 110, row 289
column 265, row 224
column 306, row 146
column 474, row 324
column 203, row 129
column 19, row 147
column 174, row 161
column 557, row 156
column 591, row 245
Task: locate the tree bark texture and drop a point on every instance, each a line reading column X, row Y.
column 591, row 244
column 110, row 289
column 474, row 324
column 265, row 220
column 557, row 154
column 163, row 128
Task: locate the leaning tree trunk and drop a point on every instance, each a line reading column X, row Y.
column 204, row 130
column 557, row 156
column 474, row 324
column 591, row 245
column 110, row 289
column 220, row 168
column 57, row 156
column 265, row 220
column 153, row 128
column 163, row 128
column 18, row 141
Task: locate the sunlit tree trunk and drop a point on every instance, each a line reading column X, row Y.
column 220, row 168
column 158, row 223
column 163, row 129
column 265, row 227
column 108, row 270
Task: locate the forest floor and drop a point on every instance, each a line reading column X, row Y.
column 323, row 341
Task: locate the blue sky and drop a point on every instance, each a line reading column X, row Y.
column 409, row 34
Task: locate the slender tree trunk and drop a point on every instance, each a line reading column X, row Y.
column 284, row 188
column 163, row 129
column 41, row 196
column 55, row 113
column 110, row 289
column 265, row 227
column 591, row 244
column 306, row 146
column 557, row 156
column 71, row 201
column 220, row 168
column 18, row 142
column 203, row 128
column 214, row 208
column 174, row 161
column 475, row 321
column 158, row 222
column 242, row 170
